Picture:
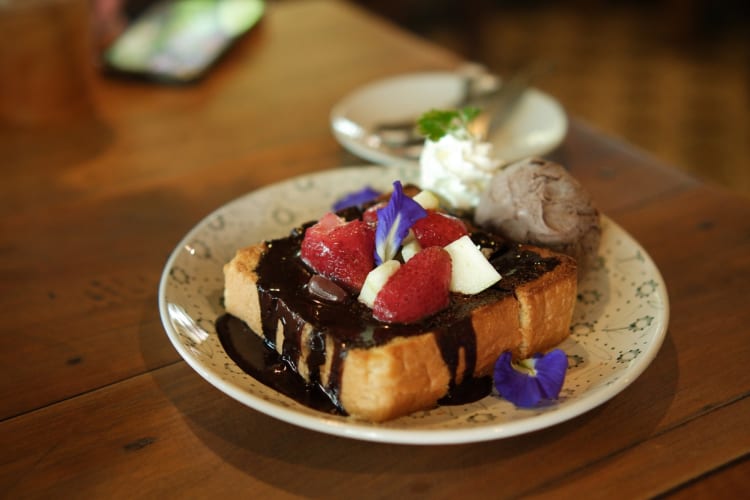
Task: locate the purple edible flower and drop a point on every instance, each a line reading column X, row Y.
column 356, row 198
column 394, row 222
column 531, row 381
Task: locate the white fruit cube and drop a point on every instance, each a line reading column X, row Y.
column 427, row 200
column 471, row 271
column 375, row 280
column 410, row 248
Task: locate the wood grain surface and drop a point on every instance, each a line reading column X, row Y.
column 95, row 402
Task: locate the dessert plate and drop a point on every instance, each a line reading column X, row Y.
column 618, row 327
column 538, row 125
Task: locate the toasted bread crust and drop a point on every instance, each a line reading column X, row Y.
column 407, row 374
column 402, row 376
column 240, row 293
column 547, row 305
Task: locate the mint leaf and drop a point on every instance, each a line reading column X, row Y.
column 436, row 123
column 468, row 114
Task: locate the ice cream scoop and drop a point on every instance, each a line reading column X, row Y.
column 537, row 201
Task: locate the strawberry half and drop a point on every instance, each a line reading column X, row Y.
column 417, row 289
column 371, row 214
column 438, row 229
column 339, row 250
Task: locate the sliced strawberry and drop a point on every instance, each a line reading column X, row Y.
column 438, row 229
column 417, row 289
column 371, row 214
column 325, row 225
column 341, row 251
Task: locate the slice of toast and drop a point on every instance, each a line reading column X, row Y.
column 376, row 371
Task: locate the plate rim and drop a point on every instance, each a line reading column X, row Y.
column 375, row 432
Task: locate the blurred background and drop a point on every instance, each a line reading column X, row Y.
column 671, row 76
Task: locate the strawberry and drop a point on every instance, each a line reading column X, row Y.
column 339, row 250
column 371, row 214
column 417, row 289
column 438, row 229
column 326, row 223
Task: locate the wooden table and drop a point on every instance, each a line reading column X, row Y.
column 95, row 402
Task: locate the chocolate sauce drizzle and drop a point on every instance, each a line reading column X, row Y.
column 285, row 301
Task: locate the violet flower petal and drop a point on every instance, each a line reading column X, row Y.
column 519, row 388
column 527, row 390
column 356, row 198
column 394, row 222
column 550, row 373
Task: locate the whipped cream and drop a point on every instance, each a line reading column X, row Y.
column 457, row 168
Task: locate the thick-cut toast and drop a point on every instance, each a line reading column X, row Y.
column 376, row 371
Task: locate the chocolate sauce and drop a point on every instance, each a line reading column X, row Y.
column 469, row 390
column 260, row 361
column 285, row 301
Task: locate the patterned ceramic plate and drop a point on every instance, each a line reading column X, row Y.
column 619, row 323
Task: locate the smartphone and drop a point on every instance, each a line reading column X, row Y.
column 177, row 41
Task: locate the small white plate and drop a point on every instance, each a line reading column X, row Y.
column 537, row 126
column 618, row 327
